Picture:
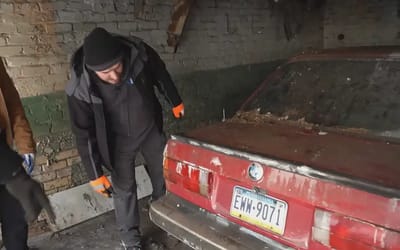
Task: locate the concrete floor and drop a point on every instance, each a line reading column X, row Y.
column 101, row 233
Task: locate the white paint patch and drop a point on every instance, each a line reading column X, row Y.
column 394, row 204
column 383, row 239
column 321, row 228
column 216, row 162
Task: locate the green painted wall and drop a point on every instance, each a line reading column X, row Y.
column 205, row 94
column 47, row 114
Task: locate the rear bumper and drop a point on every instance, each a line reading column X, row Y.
column 202, row 230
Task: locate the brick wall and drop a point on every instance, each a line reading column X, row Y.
column 361, row 23
column 37, row 38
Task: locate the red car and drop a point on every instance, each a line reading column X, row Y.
column 310, row 161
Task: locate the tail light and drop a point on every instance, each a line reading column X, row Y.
column 193, row 178
column 340, row 232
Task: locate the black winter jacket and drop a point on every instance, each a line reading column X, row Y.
column 10, row 161
column 86, row 106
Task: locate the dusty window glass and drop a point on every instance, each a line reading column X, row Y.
column 361, row 94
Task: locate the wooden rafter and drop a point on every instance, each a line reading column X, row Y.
column 178, row 20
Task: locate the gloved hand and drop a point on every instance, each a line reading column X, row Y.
column 102, row 186
column 31, row 196
column 178, row 111
column 29, row 162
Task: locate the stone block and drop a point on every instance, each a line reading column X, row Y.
column 91, row 17
column 8, row 27
column 110, row 26
column 19, row 39
column 25, row 28
column 59, row 27
column 130, row 26
column 35, row 71
column 55, row 166
column 74, row 160
column 84, row 26
column 45, row 177
column 67, row 154
column 25, row 8
column 81, row 5
column 6, row 7
column 46, row 6
column 8, row 51
column 64, row 172
column 69, row 16
column 147, row 25
column 18, row 61
column 41, row 160
column 61, row 182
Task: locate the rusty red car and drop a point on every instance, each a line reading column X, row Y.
column 310, row 161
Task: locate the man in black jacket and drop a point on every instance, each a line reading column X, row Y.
column 115, row 113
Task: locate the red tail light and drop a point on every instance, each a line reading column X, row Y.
column 341, row 232
column 193, row 178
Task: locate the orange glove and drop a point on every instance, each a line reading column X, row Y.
column 179, row 111
column 102, row 186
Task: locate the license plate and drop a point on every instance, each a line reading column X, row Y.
column 261, row 210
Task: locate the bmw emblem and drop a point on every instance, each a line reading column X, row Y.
column 255, row 171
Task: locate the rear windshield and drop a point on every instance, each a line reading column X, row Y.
column 356, row 94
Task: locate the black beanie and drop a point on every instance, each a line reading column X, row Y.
column 101, row 50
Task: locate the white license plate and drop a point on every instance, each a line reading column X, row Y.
column 261, row 210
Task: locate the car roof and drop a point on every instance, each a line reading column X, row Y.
column 349, row 53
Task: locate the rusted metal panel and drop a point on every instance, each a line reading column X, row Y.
column 374, row 161
column 178, row 20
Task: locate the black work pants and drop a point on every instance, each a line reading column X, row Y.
column 13, row 224
column 125, row 149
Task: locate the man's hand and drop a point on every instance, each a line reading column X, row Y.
column 102, row 186
column 31, row 196
column 179, row 111
column 29, row 162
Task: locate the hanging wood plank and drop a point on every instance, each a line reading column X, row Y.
column 178, row 20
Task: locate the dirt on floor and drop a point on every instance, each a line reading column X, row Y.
column 101, row 233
